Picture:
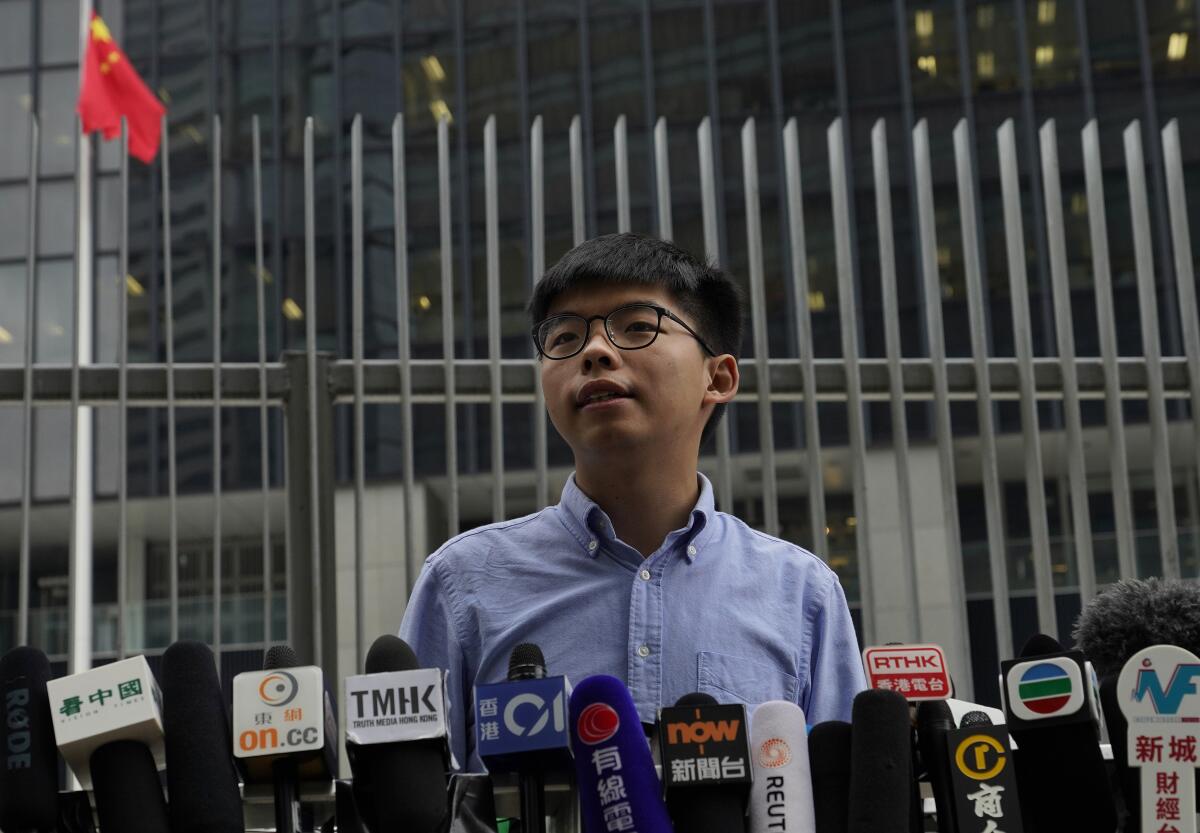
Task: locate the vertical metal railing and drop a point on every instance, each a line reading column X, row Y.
column 851, row 380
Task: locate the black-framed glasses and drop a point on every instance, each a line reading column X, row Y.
column 630, row 327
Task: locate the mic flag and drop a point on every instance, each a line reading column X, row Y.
column 519, row 723
column 781, row 796
column 916, row 671
column 1157, row 693
column 706, row 764
column 111, row 89
column 283, row 711
column 983, row 782
column 118, row 701
column 29, row 775
column 618, row 787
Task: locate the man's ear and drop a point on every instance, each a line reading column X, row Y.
column 722, row 380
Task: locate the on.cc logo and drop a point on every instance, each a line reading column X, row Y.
column 278, row 688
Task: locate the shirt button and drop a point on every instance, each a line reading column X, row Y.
column 643, row 651
column 691, row 550
column 592, row 546
column 645, row 574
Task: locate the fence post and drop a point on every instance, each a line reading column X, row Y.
column 306, row 592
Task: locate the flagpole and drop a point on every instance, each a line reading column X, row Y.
column 80, row 645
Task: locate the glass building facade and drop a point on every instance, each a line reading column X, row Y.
column 466, row 60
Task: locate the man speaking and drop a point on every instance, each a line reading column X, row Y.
column 634, row 573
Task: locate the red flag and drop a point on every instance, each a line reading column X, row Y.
column 112, row 88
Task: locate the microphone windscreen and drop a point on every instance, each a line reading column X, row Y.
column 400, row 785
column 829, row 758
column 201, row 778
column 280, row 656
column 1039, row 645
column 128, row 793
column 526, row 662
column 781, row 798
column 880, row 763
column 618, row 787
column 1134, row 614
column 975, row 718
column 29, row 774
column 696, row 698
column 390, row 653
column 934, row 720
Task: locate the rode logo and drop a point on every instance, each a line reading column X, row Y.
column 774, row 753
column 278, row 688
column 597, row 723
column 254, row 740
column 702, row 731
column 16, row 717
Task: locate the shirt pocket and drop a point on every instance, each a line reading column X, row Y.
column 731, row 678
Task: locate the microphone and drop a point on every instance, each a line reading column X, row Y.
column 934, row 720
column 284, row 729
column 880, row 763
column 982, row 784
column 1052, row 712
column 1134, row 614
column 975, row 718
column 829, row 757
column 396, row 740
column 29, row 776
column 705, row 762
column 202, row 780
column 108, row 727
column 781, row 796
column 618, row 787
column 526, row 662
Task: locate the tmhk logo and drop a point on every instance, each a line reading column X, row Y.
column 1166, row 701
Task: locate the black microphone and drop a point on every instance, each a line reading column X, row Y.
column 934, row 720
column 1128, row 778
column 285, row 729
column 1051, row 710
column 880, row 763
column 829, row 757
column 975, row 718
column 202, row 781
column 526, row 662
column 698, row 737
column 399, row 780
column 29, row 776
column 108, row 727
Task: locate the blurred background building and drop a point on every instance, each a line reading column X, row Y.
column 684, row 60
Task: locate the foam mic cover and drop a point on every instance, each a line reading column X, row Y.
column 1134, row 614
column 29, row 774
column 934, row 720
column 781, row 797
column 613, row 764
column 829, row 758
column 975, row 718
column 398, row 786
column 280, row 656
column 880, row 763
column 201, row 779
column 128, row 793
column 1039, row 645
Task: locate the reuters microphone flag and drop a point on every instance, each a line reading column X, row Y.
column 111, row 89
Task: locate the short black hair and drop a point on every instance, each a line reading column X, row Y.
column 707, row 294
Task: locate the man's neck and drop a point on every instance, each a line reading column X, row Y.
column 645, row 504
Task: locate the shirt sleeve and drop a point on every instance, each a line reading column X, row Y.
column 835, row 665
column 429, row 628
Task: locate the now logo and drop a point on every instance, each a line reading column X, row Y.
column 702, row 731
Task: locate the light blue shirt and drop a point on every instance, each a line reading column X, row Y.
column 718, row 608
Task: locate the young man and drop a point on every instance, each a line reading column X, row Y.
column 634, row 573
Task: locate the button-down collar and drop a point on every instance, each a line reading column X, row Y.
column 591, row 526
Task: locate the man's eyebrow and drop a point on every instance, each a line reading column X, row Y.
column 618, row 306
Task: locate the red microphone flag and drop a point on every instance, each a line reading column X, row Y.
column 112, row 88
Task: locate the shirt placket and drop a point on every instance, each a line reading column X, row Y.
column 645, row 660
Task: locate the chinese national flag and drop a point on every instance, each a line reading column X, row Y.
column 112, row 88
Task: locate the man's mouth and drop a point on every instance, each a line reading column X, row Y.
column 604, row 397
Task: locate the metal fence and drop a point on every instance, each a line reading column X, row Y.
column 308, row 385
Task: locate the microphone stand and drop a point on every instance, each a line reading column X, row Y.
column 533, row 800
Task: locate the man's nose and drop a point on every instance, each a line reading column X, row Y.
column 599, row 349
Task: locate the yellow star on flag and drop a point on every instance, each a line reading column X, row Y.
column 99, row 30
